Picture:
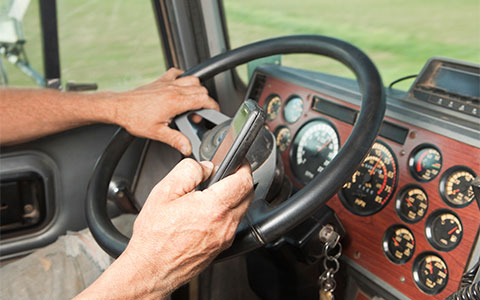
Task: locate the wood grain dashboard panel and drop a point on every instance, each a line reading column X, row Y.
column 364, row 241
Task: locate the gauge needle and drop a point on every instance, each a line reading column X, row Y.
column 408, row 202
column 324, row 145
column 376, row 165
column 455, row 191
column 451, row 231
column 396, row 243
column 430, row 267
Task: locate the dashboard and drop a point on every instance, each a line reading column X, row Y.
column 410, row 213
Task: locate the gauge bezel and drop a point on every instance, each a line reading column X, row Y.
column 416, row 276
column 429, row 230
column 443, row 181
column 284, row 108
column 394, row 187
column 267, row 102
column 411, row 161
column 385, row 240
column 399, row 200
column 294, row 146
column 277, row 131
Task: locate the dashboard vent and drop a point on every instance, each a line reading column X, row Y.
column 256, row 86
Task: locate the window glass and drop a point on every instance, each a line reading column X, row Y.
column 112, row 43
column 20, row 41
column 399, row 36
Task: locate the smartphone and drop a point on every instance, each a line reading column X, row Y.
column 243, row 130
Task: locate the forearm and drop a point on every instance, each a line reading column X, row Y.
column 128, row 279
column 28, row 114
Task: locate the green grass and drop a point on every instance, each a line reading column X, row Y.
column 115, row 43
column 398, row 35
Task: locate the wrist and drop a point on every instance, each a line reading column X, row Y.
column 105, row 107
column 127, row 278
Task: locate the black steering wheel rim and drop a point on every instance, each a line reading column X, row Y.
column 273, row 223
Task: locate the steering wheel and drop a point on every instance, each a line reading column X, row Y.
column 268, row 224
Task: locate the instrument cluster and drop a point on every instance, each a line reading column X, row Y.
column 422, row 197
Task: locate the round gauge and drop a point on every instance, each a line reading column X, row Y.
column 412, row 203
column 293, row 109
column 425, row 162
column 430, row 273
column 272, row 107
column 373, row 184
column 456, row 186
column 398, row 244
column 444, row 230
column 314, row 146
column 283, row 136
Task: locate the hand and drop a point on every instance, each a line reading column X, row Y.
column 178, row 232
column 148, row 110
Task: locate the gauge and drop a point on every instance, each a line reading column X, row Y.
column 412, row 203
column 425, row 162
column 444, row 230
column 373, row 184
column 272, row 107
column 456, row 186
column 283, row 136
column 430, row 273
column 293, row 109
column 314, row 146
column 398, row 244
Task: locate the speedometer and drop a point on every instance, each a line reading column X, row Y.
column 314, row 146
column 373, row 184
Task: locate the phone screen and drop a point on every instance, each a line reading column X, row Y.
column 239, row 137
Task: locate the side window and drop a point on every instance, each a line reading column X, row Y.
column 113, row 44
column 20, row 43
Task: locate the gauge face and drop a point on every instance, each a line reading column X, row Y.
column 398, row 244
column 373, row 184
column 293, row 109
column 272, row 107
column 425, row 163
column 314, row 146
column 456, row 186
column 430, row 273
column 444, row 230
column 411, row 204
column 283, row 136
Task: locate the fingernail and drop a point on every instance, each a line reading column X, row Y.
column 207, row 164
column 185, row 150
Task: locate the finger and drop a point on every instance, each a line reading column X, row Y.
column 184, row 178
column 192, row 90
column 196, row 118
column 171, row 74
column 233, row 189
column 194, row 102
column 187, row 81
column 172, row 137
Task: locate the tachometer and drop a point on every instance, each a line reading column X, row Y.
column 373, row 184
column 314, row 146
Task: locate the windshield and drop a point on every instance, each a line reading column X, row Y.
column 399, row 36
